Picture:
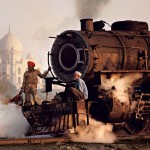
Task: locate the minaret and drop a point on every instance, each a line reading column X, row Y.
column 12, row 64
column 12, row 68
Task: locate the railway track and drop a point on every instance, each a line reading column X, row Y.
column 34, row 140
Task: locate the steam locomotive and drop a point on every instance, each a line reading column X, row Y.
column 100, row 55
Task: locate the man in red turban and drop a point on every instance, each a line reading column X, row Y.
column 30, row 63
column 30, row 81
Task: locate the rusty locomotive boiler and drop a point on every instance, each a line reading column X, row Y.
column 100, row 55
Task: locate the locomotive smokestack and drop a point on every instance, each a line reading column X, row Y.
column 87, row 25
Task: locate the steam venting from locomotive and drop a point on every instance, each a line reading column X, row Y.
column 13, row 124
column 95, row 132
column 83, row 7
column 120, row 87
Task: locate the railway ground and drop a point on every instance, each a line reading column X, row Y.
column 125, row 142
column 77, row 146
column 46, row 142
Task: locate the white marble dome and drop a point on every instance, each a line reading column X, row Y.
column 30, row 56
column 9, row 42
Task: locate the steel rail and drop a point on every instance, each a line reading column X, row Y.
column 5, row 141
column 120, row 139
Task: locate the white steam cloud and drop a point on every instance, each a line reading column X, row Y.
column 95, row 132
column 13, row 124
column 122, row 86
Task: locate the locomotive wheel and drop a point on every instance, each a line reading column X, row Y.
column 135, row 125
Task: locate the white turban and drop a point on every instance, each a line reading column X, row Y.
column 78, row 73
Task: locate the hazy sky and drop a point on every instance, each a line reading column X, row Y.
column 33, row 21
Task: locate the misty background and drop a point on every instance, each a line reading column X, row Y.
column 33, row 21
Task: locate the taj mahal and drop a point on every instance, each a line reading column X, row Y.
column 12, row 63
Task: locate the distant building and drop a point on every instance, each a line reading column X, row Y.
column 12, row 64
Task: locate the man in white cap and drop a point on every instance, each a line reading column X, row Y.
column 79, row 90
